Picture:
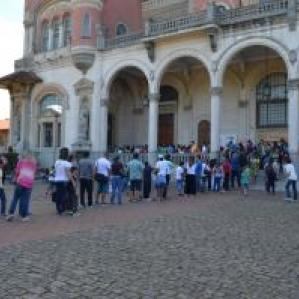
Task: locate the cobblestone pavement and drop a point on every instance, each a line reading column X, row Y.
column 211, row 246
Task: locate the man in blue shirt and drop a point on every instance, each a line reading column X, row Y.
column 135, row 169
column 198, row 174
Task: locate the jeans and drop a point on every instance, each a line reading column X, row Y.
column 86, row 185
column 198, row 183
column 23, row 195
column 270, row 184
column 117, row 187
column 294, row 187
column 217, row 182
column 3, row 202
column 236, row 174
column 60, row 196
column 180, row 186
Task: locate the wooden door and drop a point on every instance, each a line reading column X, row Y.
column 204, row 133
column 166, row 129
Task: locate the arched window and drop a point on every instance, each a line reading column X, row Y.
column 121, row 29
column 49, row 130
column 55, row 30
column 67, row 30
column 168, row 94
column 45, row 37
column 271, row 101
column 86, row 26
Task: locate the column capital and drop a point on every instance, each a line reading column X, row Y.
column 104, row 102
column 154, row 97
column 293, row 84
column 216, row 90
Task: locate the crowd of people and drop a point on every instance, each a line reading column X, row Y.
column 235, row 167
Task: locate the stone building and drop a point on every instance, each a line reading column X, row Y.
column 99, row 73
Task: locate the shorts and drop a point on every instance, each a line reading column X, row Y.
column 161, row 181
column 103, row 186
column 135, row 185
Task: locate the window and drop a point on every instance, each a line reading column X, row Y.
column 55, row 27
column 50, row 103
column 67, row 30
column 45, row 37
column 49, row 130
column 48, row 134
column 271, row 101
column 86, row 26
column 168, row 94
column 121, row 29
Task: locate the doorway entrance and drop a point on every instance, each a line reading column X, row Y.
column 204, row 133
column 166, row 129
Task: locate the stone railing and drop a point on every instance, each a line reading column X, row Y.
column 211, row 16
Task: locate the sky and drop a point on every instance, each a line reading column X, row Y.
column 11, row 46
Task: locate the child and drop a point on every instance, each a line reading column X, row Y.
column 180, row 179
column 245, row 179
column 218, row 175
column 2, row 193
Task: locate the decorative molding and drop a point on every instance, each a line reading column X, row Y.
column 216, row 91
column 154, row 97
column 151, row 52
column 293, row 84
column 84, row 87
column 293, row 57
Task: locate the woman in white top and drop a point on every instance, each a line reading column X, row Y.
column 190, row 187
column 62, row 178
column 291, row 174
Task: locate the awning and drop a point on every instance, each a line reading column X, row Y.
column 20, row 77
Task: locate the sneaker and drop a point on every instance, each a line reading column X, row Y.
column 25, row 219
column 10, row 217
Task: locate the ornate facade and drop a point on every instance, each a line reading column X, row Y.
column 99, row 73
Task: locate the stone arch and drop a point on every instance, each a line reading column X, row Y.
column 244, row 43
column 110, row 75
column 43, row 89
column 167, row 59
column 37, row 95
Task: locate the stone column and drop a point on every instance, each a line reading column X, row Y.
column 153, row 125
column 12, row 122
column 25, row 99
column 293, row 130
column 216, row 95
column 103, row 146
column 50, row 44
column 60, row 43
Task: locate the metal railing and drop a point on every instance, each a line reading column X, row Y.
column 264, row 9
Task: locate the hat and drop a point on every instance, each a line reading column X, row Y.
column 160, row 156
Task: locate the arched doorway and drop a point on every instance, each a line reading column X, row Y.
column 256, row 101
column 127, row 115
column 204, row 133
column 167, row 115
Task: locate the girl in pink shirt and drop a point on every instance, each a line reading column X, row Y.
column 24, row 178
